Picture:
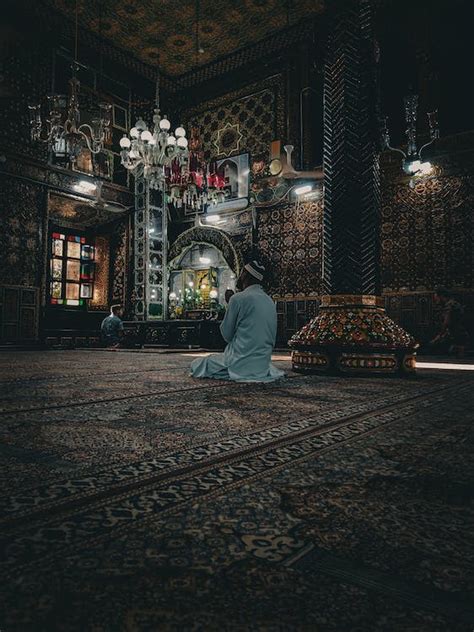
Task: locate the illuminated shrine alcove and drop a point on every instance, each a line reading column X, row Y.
column 198, row 281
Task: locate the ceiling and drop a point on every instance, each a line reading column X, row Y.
column 164, row 33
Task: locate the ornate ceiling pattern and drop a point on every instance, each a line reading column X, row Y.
column 163, row 32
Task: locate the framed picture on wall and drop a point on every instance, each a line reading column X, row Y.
column 236, row 173
column 120, row 117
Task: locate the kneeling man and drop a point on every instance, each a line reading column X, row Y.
column 249, row 327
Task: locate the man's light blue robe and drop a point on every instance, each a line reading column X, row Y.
column 249, row 327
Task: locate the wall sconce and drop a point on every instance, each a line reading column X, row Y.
column 87, row 187
column 303, row 189
column 412, row 158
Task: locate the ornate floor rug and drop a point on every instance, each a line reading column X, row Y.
column 136, row 498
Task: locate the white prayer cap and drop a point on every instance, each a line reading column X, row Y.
column 255, row 269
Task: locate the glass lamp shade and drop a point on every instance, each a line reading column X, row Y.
column 125, row 142
column 140, row 125
column 182, row 142
column 171, row 140
column 165, row 124
column 146, row 136
column 180, row 131
column 134, row 132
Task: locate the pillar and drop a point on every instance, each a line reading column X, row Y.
column 352, row 333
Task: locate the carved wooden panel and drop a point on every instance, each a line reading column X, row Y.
column 119, row 254
column 100, row 300
column 22, row 210
column 19, row 311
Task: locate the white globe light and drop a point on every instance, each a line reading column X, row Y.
column 182, row 142
column 146, row 136
column 213, row 294
column 165, row 124
column 171, row 140
column 134, row 132
column 125, row 142
column 180, row 131
column 140, row 125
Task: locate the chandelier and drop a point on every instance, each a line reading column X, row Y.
column 61, row 129
column 158, row 154
column 171, row 163
column 412, row 159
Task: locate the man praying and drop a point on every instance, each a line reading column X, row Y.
column 249, row 328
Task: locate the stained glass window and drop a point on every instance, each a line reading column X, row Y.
column 71, row 270
column 56, row 289
column 58, row 247
column 72, row 290
column 87, row 252
column 86, row 290
column 73, row 249
column 56, row 269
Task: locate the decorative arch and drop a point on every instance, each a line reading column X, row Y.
column 208, row 236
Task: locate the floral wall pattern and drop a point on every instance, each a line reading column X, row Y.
column 289, row 239
column 427, row 234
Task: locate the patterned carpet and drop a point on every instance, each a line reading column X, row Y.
column 140, row 499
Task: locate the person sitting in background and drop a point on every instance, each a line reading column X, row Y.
column 228, row 295
column 453, row 336
column 112, row 327
column 249, row 328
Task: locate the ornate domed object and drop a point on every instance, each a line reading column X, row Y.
column 353, row 334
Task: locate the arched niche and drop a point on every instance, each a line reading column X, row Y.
column 205, row 236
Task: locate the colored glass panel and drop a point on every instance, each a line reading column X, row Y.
column 74, row 250
column 57, row 247
column 87, row 252
column 86, row 290
column 73, row 270
column 56, row 269
column 87, row 272
column 56, row 289
column 72, row 290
